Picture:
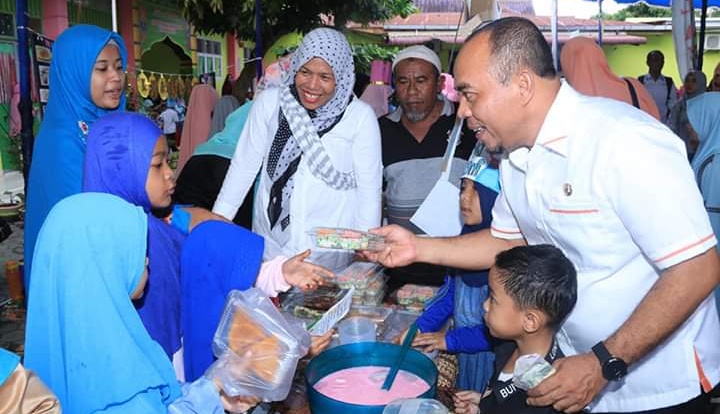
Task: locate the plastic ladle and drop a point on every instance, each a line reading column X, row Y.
column 401, row 356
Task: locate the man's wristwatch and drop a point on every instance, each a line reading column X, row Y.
column 613, row 368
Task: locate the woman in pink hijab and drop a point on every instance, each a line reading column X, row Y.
column 196, row 128
column 585, row 67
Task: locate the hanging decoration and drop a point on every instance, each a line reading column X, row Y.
column 163, row 88
column 154, row 87
column 143, row 85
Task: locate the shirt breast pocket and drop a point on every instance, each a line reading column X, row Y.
column 585, row 230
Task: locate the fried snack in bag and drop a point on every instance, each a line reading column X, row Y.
column 257, row 349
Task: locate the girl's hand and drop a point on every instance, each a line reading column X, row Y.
column 467, row 402
column 239, row 404
column 306, row 276
column 320, row 343
column 430, row 341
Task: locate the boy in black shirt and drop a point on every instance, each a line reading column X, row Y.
column 532, row 290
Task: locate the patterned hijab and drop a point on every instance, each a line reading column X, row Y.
column 299, row 130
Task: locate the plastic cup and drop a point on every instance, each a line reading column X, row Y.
column 356, row 329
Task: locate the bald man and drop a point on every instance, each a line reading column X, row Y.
column 600, row 181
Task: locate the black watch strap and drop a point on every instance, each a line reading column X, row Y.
column 613, row 368
column 601, row 352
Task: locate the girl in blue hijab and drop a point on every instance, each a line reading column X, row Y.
column 462, row 295
column 87, row 76
column 127, row 156
column 92, row 349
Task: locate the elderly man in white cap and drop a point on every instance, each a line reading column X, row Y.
column 414, row 140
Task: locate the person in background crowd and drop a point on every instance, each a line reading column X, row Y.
column 201, row 179
column 378, row 91
column 702, row 112
column 196, row 127
column 414, row 140
column 585, row 66
column 317, row 149
column 223, row 108
column 88, row 79
column 694, row 86
column 168, row 122
column 661, row 87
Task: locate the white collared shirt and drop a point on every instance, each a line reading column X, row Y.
column 353, row 144
column 612, row 188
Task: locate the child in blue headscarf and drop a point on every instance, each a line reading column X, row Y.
column 87, row 77
column 462, row 295
column 127, row 156
column 92, row 349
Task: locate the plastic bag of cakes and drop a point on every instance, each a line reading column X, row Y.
column 257, row 348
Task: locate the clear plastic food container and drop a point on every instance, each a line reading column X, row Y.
column 346, row 239
column 358, row 275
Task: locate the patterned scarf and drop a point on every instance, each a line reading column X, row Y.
column 299, row 130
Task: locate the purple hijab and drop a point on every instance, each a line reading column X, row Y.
column 117, row 160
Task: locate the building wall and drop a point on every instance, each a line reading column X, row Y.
column 629, row 60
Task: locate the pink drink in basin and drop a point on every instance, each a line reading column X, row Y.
column 362, row 386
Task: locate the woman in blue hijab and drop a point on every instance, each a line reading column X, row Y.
column 702, row 112
column 87, row 79
column 120, row 157
column 84, row 337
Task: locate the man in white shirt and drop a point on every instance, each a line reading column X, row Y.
column 168, row 121
column 661, row 87
column 644, row 334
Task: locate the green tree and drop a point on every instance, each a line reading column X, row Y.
column 285, row 16
column 638, row 10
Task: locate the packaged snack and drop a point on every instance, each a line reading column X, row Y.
column 323, row 298
column 530, row 370
column 357, row 275
column 257, row 349
column 413, row 297
column 346, row 239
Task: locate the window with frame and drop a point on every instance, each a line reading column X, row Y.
column 209, row 55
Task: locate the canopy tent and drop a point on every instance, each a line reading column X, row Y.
column 698, row 4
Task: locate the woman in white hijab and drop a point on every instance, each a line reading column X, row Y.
column 317, row 148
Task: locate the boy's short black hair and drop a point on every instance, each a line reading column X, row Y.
column 539, row 277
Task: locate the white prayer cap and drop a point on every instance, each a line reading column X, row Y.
column 418, row 52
